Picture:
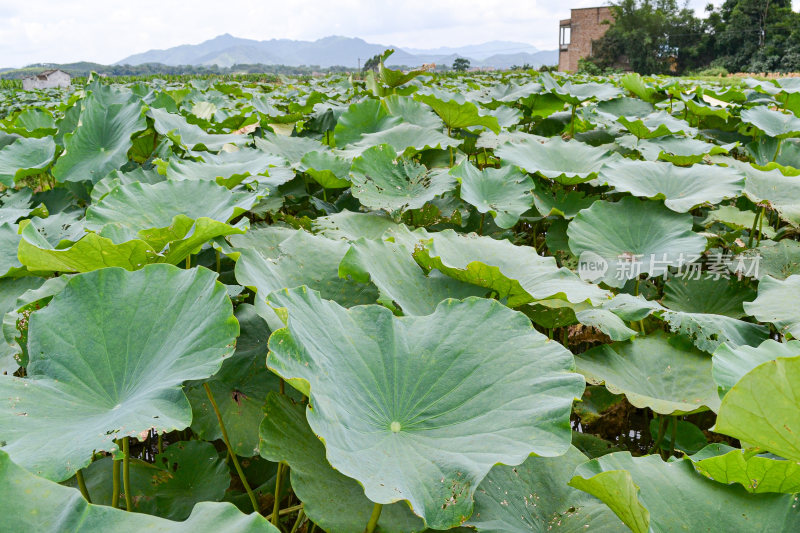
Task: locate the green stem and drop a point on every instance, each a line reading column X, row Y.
column 286, row 511
column 753, row 230
column 225, row 438
column 674, row 434
column 82, row 485
column 115, row 483
column 160, row 443
column 276, row 506
column 219, row 261
column 480, row 229
column 777, row 150
column 572, row 122
column 300, row 515
column 373, row 519
column 188, row 262
column 662, row 428
column 126, row 473
column 760, row 225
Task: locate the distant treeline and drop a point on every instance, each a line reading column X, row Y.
column 665, row 37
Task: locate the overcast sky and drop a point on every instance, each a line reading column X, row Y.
column 106, row 31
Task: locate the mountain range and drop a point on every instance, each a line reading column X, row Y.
column 227, row 50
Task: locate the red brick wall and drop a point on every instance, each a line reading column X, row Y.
column 586, row 25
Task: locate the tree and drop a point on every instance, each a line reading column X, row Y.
column 372, row 63
column 461, row 64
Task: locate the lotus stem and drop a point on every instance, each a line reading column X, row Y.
column 188, row 262
column 300, row 515
column 662, row 428
column 760, row 225
column 777, row 150
column 115, row 482
column 225, row 438
column 286, row 511
column 674, row 434
column 753, row 230
column 276, row 506
column 373, row 519
column 219, row 261
column 126, row 473
column 160, row 443
column 82, row 485
column 572, row 122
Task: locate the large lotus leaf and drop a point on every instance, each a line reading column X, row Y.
column 332, row 500
column 228, row 168
column 761, row 408
column 626, row 106
column 381, row 180
column 9, row 240
column 505, row 193
column 405, row 138
column 25, row 157
column 567, row 162
column 411, row 111
column 91, row 252
column 59, row 508
column 575, row 93
column 517, row 273
column 773, row 123
column 191, row 136
column 327, row 168
column 10, row 290
column 534, row 496
column 59, row 229
column 656, row 125
column 781, row 193
column 368, row 116
column 674, row 148
column 272, row 262
column 402, row 406
column 116, row 178
column 654, row 372
column 239, row 388
column 457, row 114
column 633, row 237
column 651, row 495
column 107, row 359
column 290, row 149
column 777, row 259
column 16, row 204
column 731, row 363
column 756, row 473
column 734, row 218
column 607, row 322
column 186, row 473
column 682, row 188
column 34, row 123
column 709, row 331
column 351, row 226
column 707, row 295
column 391, row 267
column 102, row 139
column 563, row 203
column 775, row 304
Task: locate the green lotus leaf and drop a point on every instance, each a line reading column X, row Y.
column 290, row 149
column 411, row 111
column 239, row 388
column 607, row 322
column 633, row 237
column 25, row 157
column 327, row 168
column 396, row 78
column 682, row 188
column 101, row 141
column 688, row 437
column 186, row 473
column 228, row 168
column 90, row 382
column 651, row 495
column 270, row 264
column 653, row 372
column 381, row 180
column 10, row 290
column 59, row 508
column 332, row 500
column 10, row 265
column 756, row 473
column 368, row 116
column 517, row 273
column 707, row 295
column 457, row 114
column 781, row 193
column 656, row 124
column 404, row 138
column 776, row 259
column 734, row 218
column 563, row 203
column 36, row 123
column 399, row 416
column 626, row 106
column 676, row 149
column 505, row 193
column 575, row 93
column 188, row 135
column 116, row 178
column 773, row 123
column 702, row 109
column 391, row 267
column 709, row 331
column 16, row 204
column 774, row 303
column 567, row 162
column 761, row 408
column 350, row 226
column 534, row 496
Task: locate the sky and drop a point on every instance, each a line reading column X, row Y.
column 106, row 31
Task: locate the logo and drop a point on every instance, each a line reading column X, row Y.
column 591, row 266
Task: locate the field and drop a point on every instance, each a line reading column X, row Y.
column 493, row 302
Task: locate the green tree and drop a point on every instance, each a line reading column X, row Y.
column 461, row 64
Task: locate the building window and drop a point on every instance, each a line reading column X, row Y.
column 564, row 37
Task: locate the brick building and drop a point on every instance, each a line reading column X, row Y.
column 577, row 33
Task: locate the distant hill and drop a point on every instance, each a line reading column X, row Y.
column 227, row 50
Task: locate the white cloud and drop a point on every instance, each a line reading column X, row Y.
column 107, row 31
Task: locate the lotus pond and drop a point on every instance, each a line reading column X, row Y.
column 500, row 302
